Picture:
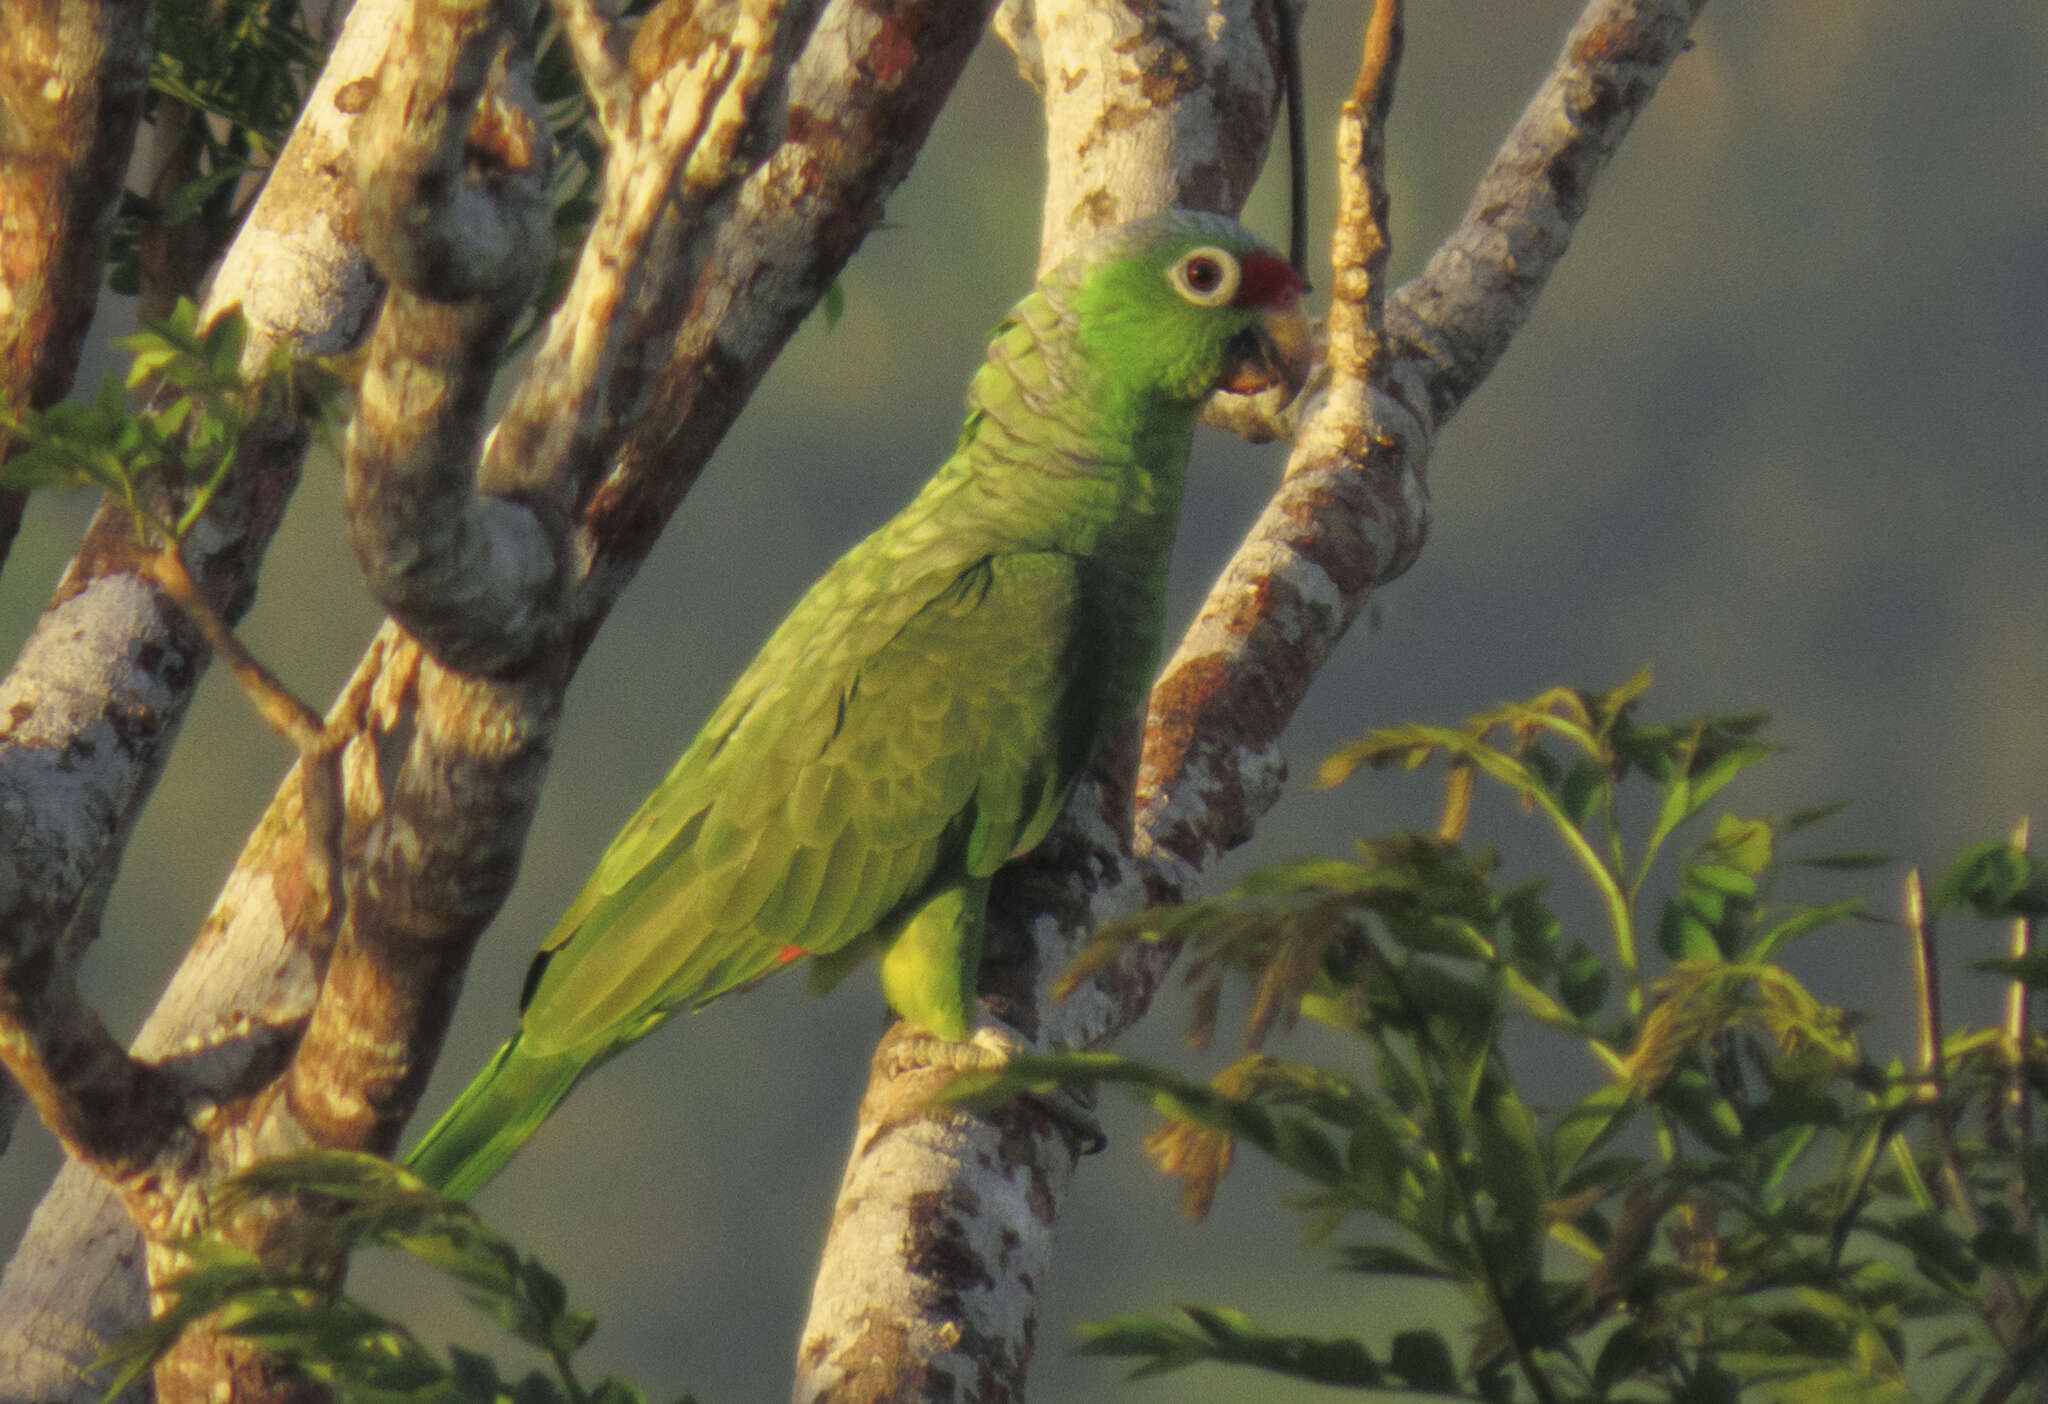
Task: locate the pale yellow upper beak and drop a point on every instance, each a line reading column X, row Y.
column 1281, row 354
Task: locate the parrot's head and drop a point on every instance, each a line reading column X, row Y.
column 1184, row 304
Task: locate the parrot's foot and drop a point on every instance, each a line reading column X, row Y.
column 995, row 1045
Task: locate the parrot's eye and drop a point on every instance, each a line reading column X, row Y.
column 1205, row 277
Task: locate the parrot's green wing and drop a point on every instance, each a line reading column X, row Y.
column 917, row 719
column 826, row 793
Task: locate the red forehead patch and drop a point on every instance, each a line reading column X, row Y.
column 1266, row 281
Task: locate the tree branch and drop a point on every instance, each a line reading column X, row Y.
column 455, row 157
column 594, row 42
column 439, row 808
column 1452, row 323
column 109, row 1111
column 72, row 82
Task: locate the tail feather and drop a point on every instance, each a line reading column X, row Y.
column 495, row 1115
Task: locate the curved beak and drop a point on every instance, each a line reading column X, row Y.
column 1275, row 350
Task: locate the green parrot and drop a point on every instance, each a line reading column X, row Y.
column 919, row 717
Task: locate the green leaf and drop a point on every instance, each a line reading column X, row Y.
column 1726, row 765
column 1803, row 922
column 1709, row 1384
column 149, row 360
column 191, row 197
column 1389, row 1261
column 1591, row 1124
column 1702, row 1110
column 28, row 470
column 1682, row 935
column 1213, row 1334
column 534, row 1387
column 1622, row 1355
column 1787, row 1152
column 1726, row 879
column 219, row 1273
column 833, row 303
column 1846, row 862
column 1423, row 1360
column 1741, row 844
column 1471, row 1006
column 1995, row 880
column 2030, row 969
column 2004, row 1248
column 474, row 1376
column 1585, row 787
column 1605, row 1173
column 223, row 342
column 1510, row 1170
column 1582, row 980
column 1801, row 819
column 1938, row 1250
column 1533, row 929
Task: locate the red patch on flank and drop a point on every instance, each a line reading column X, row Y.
column 1267, row 281
column 892, row 55
column 790, row 953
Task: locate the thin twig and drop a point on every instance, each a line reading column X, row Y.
column 1933, row 1073
column 1360, row 244
column 2002, row 1306
column 318, row 742
column 2019, row 1105
column 1926, row 986
column 2016, row 1118
column 2026, row 1355
column 1297, row 140
column 593, row 38
column 282, row 711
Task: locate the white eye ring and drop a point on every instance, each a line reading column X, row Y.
column 1207, row 277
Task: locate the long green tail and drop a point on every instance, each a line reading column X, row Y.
column 495, row 1115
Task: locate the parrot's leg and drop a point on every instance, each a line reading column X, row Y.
column 996, row 1044
column 929, row 973
column 993, row 1047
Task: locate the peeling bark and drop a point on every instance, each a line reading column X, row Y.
column 1349, row 516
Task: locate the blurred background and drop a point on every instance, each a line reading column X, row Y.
column 1771, row 431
